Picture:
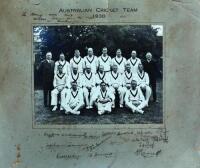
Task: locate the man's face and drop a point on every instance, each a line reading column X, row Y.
column 148, row 56
column 60, row 69
column 88, row 70
column 62, row 57
column 77, row 53
column 118, row 53
column 74, row 86
column 104, row 51
column 101, row 69
column 114, row 68
column 133, row 54
column 75, row 70
column 103, row 87
column 128, row 69
column 140, row 67
column 48, row 56
column 133, row 84
column 90, row 52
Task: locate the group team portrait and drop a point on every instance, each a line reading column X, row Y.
column 98, row 74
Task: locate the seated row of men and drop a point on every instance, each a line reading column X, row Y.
column 100, row 89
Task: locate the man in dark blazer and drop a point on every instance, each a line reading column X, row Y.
column 46, row 69
column 151, row 68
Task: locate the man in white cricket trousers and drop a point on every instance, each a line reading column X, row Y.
column 134, row 99
column 104, row 99
column 143, row 82
column 60, row 84
column 74, row 101
column 116, row 82
column 88, row 84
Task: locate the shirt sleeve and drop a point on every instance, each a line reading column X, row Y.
column 81, row 96
column 54, row 82
column 147, row 79
column 141, row 95
column 126, row 99
column 55, row 68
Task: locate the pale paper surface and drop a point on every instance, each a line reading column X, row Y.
column 24, row 147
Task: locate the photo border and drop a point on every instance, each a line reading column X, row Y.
column 101, row 126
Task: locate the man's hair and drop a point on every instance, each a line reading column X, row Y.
column 128, row 65
column 102, row 83
column 48, row 52
column 90, row 49
column 140, row 64
column 133, row 80
column 148, row 53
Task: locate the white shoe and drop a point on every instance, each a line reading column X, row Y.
column 100, row 112
column 108, row 112
column 78, row 112
column 147, row 104
column 54, row 108
column 121, row 106
column 90, row 107
column 87, row 107
column 75, row 112
column 140, row 111
column 61, row 108
column 113, row 105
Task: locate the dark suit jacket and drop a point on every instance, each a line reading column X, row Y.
column 151, row 69
column 47, row 73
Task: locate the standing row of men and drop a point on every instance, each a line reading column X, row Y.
column 97, row 81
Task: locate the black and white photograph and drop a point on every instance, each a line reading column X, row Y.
column 97, row 74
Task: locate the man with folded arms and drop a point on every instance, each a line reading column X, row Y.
column 74, row 101
column 134, row 98
column 104, row 99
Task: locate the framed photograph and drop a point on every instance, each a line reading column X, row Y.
column 126, row 58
